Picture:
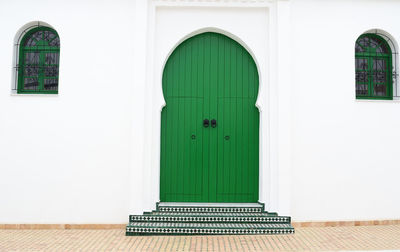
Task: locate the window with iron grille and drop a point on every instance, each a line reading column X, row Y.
column 38, row 62
column 373, row 68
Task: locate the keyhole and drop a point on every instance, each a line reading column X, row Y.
column 227, row 137
column 193, row 137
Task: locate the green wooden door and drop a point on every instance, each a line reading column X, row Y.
column 209, row 76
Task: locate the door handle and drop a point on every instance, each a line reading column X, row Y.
column 206, row 123
column 213, row 123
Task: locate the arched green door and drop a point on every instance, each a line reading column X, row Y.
column 209, row 76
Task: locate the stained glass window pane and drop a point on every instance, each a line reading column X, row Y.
column 31, row 71
column 379, row 77
column 380, row 90
column 359, row 49
column 361, row 77
column 31, row 83
column 362, row 89
column 51, row 58
column 48, row 36
column 32, row 58
column 50, row 84
column 379, row 64
column 55, row 42
column 34, row 38
column 361, row 64
column 51, row 71
column 378, row 44
column 364, row 42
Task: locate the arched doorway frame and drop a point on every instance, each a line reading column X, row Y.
column 275, row 108
column 246, row 48
column 265, row 181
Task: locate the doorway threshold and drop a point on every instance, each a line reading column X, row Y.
column 206, row 204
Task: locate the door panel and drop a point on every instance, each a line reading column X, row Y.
column 181, row 150
column 237, row 150
column 209, row 76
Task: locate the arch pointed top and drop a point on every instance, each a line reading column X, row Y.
column 211, row 53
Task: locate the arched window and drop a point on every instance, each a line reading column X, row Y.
column 39, row 55
column 373, row 68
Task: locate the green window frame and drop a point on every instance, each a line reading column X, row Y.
column 373, row 65
column 38, row 62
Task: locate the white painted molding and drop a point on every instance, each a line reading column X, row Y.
column 216, row 3
column 270, row 188
column 243, row 2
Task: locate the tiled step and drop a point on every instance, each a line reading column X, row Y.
column 163, row 228
column 210, row 214
column 198, row 209
column 207, row 217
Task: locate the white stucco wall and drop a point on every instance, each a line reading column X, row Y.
column 66, row 158
column 345, row 151
column 91, row 153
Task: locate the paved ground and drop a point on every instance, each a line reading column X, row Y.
column 385, row 237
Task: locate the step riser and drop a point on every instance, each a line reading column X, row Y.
column 188, row 214
column 211, row 219
column 160, row 231
column 210, row 209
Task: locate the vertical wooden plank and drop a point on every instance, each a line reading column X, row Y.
column 220, row 157
column 233, row 125
column 206, row 139
column 247, row 169
column 240, row 175
column 229, row 186
column 199, row 153
column 197, row 123
column 202, row 89
column 189, row 170
column 181, row 122
column 174, row 148
column 256, row 137
column 191, row 179
column 168, row 70
column 175, row 124
column 186, row 169
column 213, row 115
column 220, row 179
column 256, row 153
column 245, row 80
column 253, row 86
column 186, row 130
column 253, row 133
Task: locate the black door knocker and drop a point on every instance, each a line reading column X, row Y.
column 206, row 123
column 213, row 123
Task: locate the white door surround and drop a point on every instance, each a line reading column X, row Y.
column 163, row 26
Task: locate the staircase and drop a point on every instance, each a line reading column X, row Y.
column 213, row 219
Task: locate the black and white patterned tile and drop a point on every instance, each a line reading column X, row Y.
column 172, row 218
column 208, row 225
column 257, row 214
column 210, row 209
column 176, row 220
column 204, row 231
